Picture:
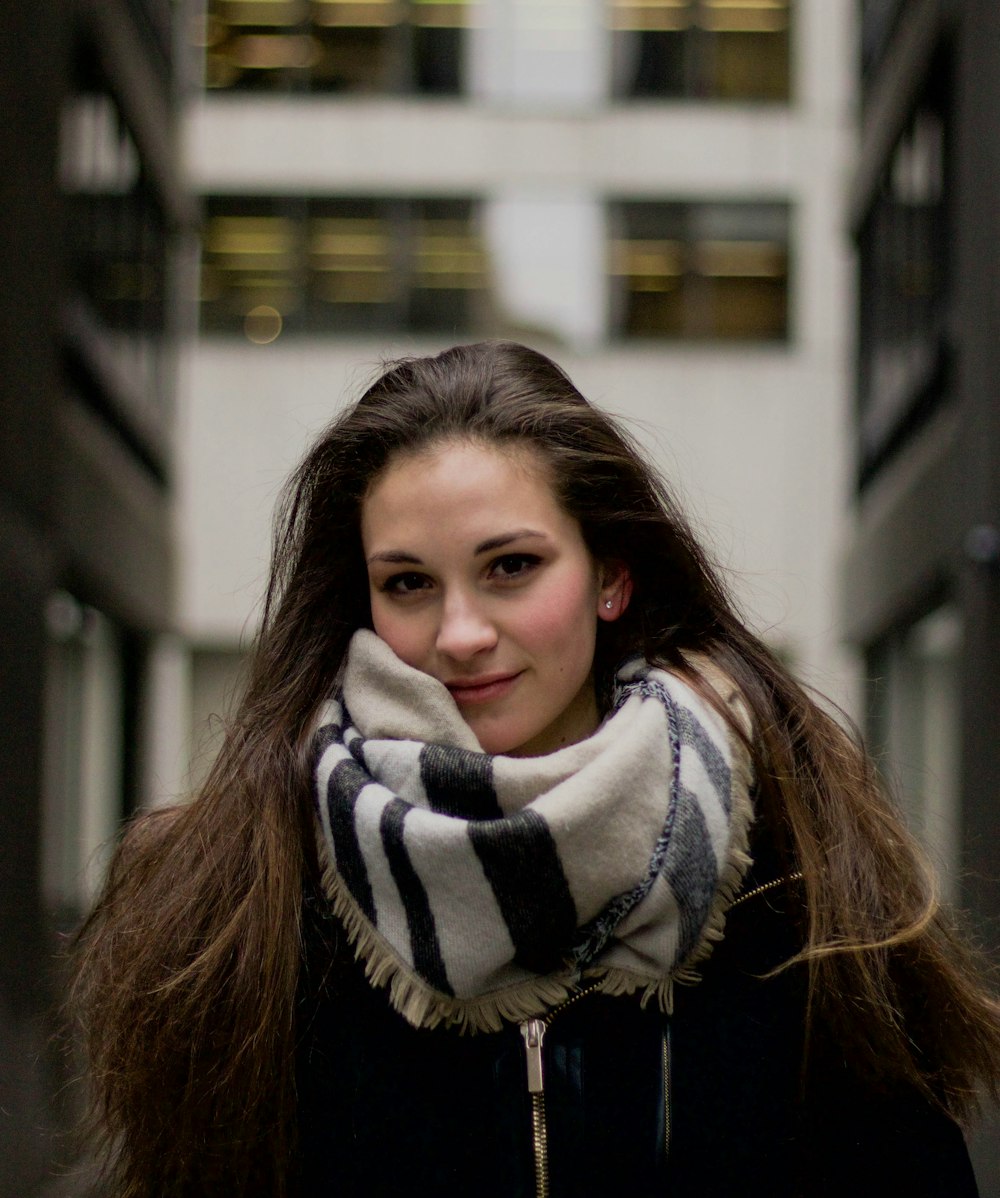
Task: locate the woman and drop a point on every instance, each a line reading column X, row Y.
column 501, row 741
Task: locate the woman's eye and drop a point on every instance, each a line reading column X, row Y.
column 404, row 584
column 514, row 565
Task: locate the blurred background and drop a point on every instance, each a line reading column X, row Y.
column 762, row 231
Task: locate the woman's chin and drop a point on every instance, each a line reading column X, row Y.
column 497, row 742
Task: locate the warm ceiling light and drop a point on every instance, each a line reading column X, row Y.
column 262, row 12
column 741, row 259
column 274, row 51
column 357, row 14
column 249, row 235
column 782, row 4
column 652, row 16
column 744, row 16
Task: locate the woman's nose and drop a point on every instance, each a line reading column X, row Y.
column 465, row 629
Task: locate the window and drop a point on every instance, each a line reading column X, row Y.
column 117, row 245
column 701, row 49
column 903, row 244
column 91, row 692
column 382, row 46
column 879, row 21
column 154, row 21
column 915, row 726
column 332, row 265
column 699, row 271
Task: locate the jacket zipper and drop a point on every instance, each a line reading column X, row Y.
column 666, row 1091
column 533, row 1031
column 765, row 887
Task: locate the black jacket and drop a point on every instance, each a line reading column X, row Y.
column 708, row 1102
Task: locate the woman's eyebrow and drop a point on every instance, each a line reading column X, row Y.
column 505, row 538
column 402, row 557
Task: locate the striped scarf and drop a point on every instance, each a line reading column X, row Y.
column 482, row 888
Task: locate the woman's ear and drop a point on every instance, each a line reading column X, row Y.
column 616, row 590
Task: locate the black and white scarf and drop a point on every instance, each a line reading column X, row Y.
column 482, row 888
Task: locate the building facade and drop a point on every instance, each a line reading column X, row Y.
column 94, row 221
column 651, row 193
column 922, row 579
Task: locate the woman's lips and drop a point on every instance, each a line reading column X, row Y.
column 483, row 689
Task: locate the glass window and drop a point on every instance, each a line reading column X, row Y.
column 903, row 244
column 154, row 21
column 340, row 265
column 701, row 49
column 915, row 728
column 86, row 750
column 380, row 46
column 117, row 243
column 879, row 19
column 699, row 271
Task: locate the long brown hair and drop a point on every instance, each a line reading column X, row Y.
column 189, row 965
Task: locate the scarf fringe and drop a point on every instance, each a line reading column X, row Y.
column 410, row 995
column 730, row 882
column 618, row 981
column 422, row 1006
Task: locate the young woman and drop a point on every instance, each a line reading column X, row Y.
column 508, row 774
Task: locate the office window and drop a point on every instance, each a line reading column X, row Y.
column 699, row 271
column 879, row 21
column 904, row 265
column 91, row 731
column 375, row 46
column 117, row 244
column 273, row 265
column 701, row 49
column 154, row 22
column 914, row 725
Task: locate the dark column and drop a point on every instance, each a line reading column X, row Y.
column 33, row 53
column 977, row 232
column 977, row 236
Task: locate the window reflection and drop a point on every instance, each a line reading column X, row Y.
column 914, row 723
column 903, row 243
column 701, row 49
column 380, row 46
column 87, row 722
column 699, row 270
column 339, row 265
column 117, row 241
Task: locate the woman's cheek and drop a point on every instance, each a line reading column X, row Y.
column 564, row 611
column 394, row 630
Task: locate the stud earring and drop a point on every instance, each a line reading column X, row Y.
column 608, row 604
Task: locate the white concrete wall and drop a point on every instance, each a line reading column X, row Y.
column 751, row 441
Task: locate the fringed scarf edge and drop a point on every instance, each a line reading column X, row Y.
column 422, row 1006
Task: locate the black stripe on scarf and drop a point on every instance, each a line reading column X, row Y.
column 691, row 872
column 347, row 779
column 521, row 863
column 326, row 736
column 424, row 946
column 459, row 782
column 693, row 734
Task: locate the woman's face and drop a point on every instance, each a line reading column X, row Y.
column 480, row 579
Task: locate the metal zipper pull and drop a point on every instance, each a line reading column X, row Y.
column 533, row 1031
column 666, row 1091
